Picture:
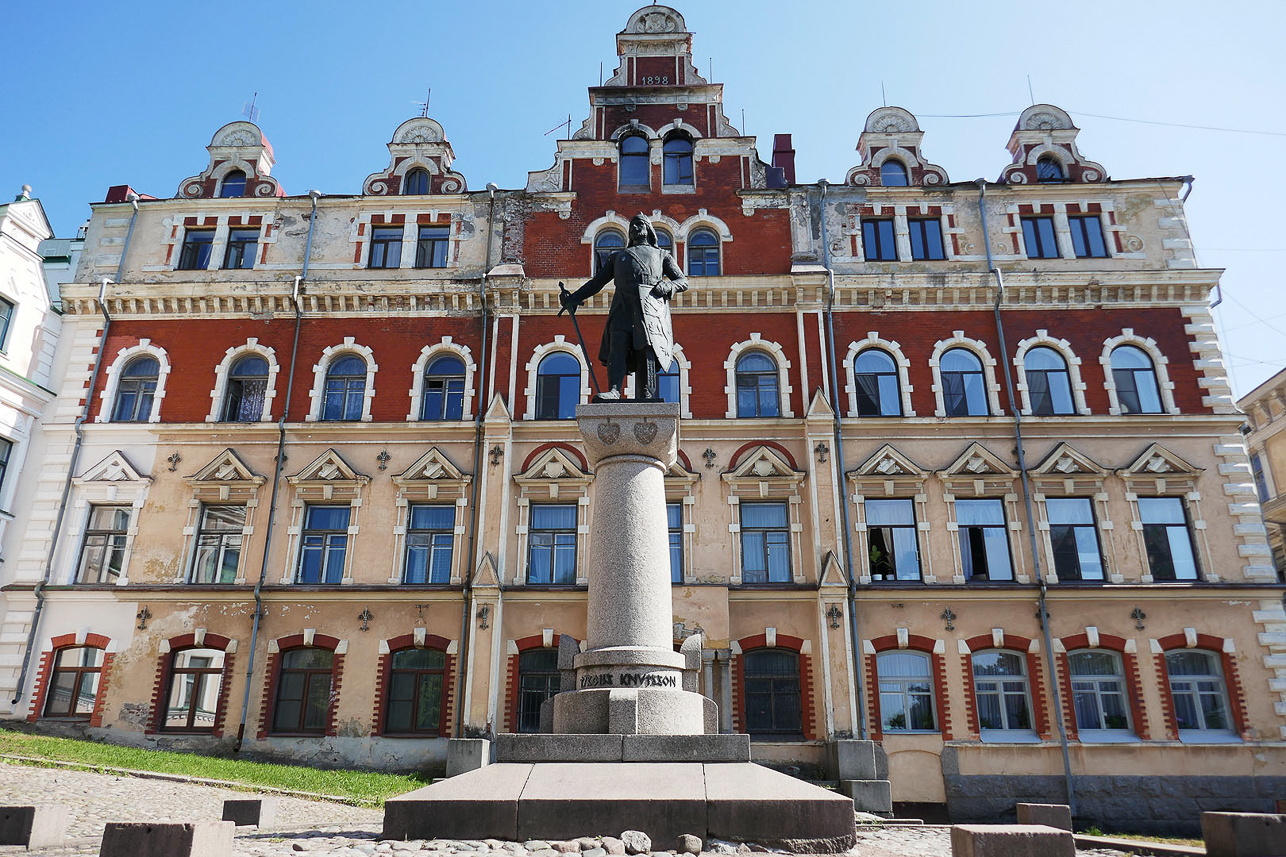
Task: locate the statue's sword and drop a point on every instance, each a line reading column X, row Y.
column 593, row 379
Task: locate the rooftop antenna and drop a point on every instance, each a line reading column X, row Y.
column 424, row 105
column 567, row 125
column 249, row 110
column 1029, row 91
column 743, row 123
column 883, row 96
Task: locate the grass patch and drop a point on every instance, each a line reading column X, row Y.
column 364, row 788
column 1144, row 837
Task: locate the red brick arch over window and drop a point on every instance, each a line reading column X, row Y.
column 43, row 671
column 807, row 702
column 1231, row 677
column 535, row 641
column 1133, row 684
column 273, row 670
column 915, row 643
column 385, row 668
column 165, row 663
column 1035, row 679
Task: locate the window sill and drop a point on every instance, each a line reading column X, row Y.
column 423, row 736
column 681, row 188
column 1206, row 736
column 1009, row 736
column 639, row 188
column 1108, row 736
column 910, row 733
column 297, row 735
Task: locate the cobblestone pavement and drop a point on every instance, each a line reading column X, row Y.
column 331, row 830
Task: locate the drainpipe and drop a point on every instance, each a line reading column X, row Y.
column 839, row 462
column 79, row 426
column 313, row 196
column 1043, row 616
column 467, row 593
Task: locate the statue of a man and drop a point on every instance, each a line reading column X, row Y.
column 638, row 337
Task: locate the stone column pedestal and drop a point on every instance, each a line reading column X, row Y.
column 629, row 680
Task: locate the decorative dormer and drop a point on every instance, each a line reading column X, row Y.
column 241, row 162
column 890, row 153
column 1043, row 146
column 419, row 163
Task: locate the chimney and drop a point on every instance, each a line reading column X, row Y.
column 783, row 156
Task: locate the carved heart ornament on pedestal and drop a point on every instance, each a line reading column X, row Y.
column 609, row 432
column 645, row 432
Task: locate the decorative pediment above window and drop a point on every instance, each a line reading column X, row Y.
column 888, row 472
column 551, row 472
column 1043, row 146
column 1158, row 464
column 225, row 478
column 419, row 163
column 678, row 478
column 892, row 134
column 764, row 471
column 980, row 468
column 328, row 477
column 1072, row 470
column 432, row 477
column 114, row 468
column 241, row 154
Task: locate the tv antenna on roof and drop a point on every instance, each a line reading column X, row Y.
column 249, row 110
column 567, row 125
column 424, row 105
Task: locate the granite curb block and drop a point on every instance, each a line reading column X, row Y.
column 1136, row 846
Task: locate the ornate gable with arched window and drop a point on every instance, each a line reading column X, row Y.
column 890, row 150
column 1044, row 150
column 241, row 162
column 419, row 163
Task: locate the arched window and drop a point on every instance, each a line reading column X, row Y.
column 703, row 253
column 303, row 691
column 1048, row 383
column 557, row 387
column 1198, row 691
column 772, row 693
column 135, row 391
column 1050, row 169
column 234, row 184
column 677, row 153
column 1002, row 691
column 1098, row 691
column 964, row 390
column 635, row 169
column 416, row 702
column 345, row 389
column 606, row 243
column 906, row 692
column 665, row 241
column 192, row 700
column 443, row 389
column 893, row 173
column 876, row 377
column 73, row 686
column 1136, row 381
column 415, row 182
column 757, row 386
column 247, row 385
column 538, row 680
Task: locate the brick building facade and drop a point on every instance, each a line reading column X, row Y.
column 327, row 503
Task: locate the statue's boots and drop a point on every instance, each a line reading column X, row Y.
column 612, row 395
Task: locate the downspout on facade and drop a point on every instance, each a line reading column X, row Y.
column 79, row 428
column 1042, row 615
column 313, row 195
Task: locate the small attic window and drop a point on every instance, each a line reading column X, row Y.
column 1050, row 169
column 234, row 184
column 416, row 182
column 893, row 173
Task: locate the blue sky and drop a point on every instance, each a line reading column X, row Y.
column 97, row 94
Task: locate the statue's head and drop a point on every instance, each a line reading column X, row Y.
column 641, row 231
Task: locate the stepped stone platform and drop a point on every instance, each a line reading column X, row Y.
column 736, row 801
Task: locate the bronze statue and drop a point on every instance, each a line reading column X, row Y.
column 638, row 337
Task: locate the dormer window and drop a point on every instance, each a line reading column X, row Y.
column 234, row 184
column 416, row 182
column 678, row 161
column 635, row 169
column 1050, row 169
column 893, row 173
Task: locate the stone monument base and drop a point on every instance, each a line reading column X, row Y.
column 517, row 801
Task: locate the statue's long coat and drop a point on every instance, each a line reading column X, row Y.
column 635, row 311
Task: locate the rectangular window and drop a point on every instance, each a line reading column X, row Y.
column 324, row 544
column 195, row 254
column 1038, row 233
column 765, row 543
column 6, row 317
column 1256, row 470
column 242, row 246
column 984, row 540
column 674, row 521
column 926, row 238
column 551, row 550
column 386, row 247
column 1087, row 236
column 1167, row 538
column 430, row 536
column 431, row 247
column 1074, row 538
column 102, row 554
column 878, row 241
column 6, row 449
column 218, row 544
column 890, row 527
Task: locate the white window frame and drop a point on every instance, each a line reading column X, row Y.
column 1005, row 736
column 539, row 353
column 107, row 398
column 311, row 488
column 554, row 476
column 431, row 480
column 111, row 482
column 756, row 342
column 1165, row 386
column 231, row 356
column 227, row 481
column 979, row 349
column 329, row 354
column 1104, row 735
column 762, row 474
column 1064, row 350
column 894, row 350
column 427, row 355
